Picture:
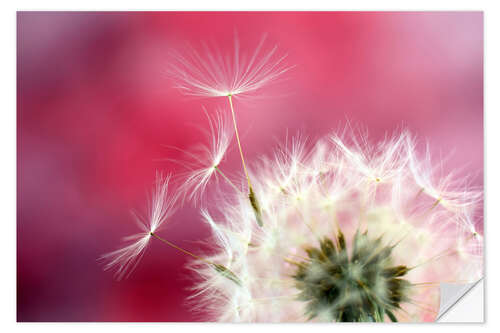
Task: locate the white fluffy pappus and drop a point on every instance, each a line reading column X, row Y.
column 215, row 73
column 346, row 225
column 204, row 159
column 161, row 207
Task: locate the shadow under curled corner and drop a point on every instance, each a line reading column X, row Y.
column 462, row 303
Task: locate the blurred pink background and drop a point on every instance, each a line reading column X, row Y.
column 95, row 112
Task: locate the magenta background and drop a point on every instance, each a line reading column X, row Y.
column 94, row 109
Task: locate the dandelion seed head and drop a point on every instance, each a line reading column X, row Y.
column 348, row 235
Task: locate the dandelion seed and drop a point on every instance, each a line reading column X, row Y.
column 161, row 208
column 440, row 188
column 206, row 159
column 227, row 74
column 126, row 259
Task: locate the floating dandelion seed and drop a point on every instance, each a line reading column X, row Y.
column 227, row 74
column 349, row 236
column 206, row 159
column 162, row 206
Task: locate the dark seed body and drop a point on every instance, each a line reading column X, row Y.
column 224, row 271
column 362, row 287
column 255, row 206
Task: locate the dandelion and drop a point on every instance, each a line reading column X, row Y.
column 349, row 236
column 353, row 231
column 161, row 208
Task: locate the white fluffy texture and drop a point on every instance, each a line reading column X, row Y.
column 125, row 259
column 212, row 73
column 204, row 159
column 306, row 193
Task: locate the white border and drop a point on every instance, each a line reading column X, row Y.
column 225, row 5
column 470, row 308
column 8, row 133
